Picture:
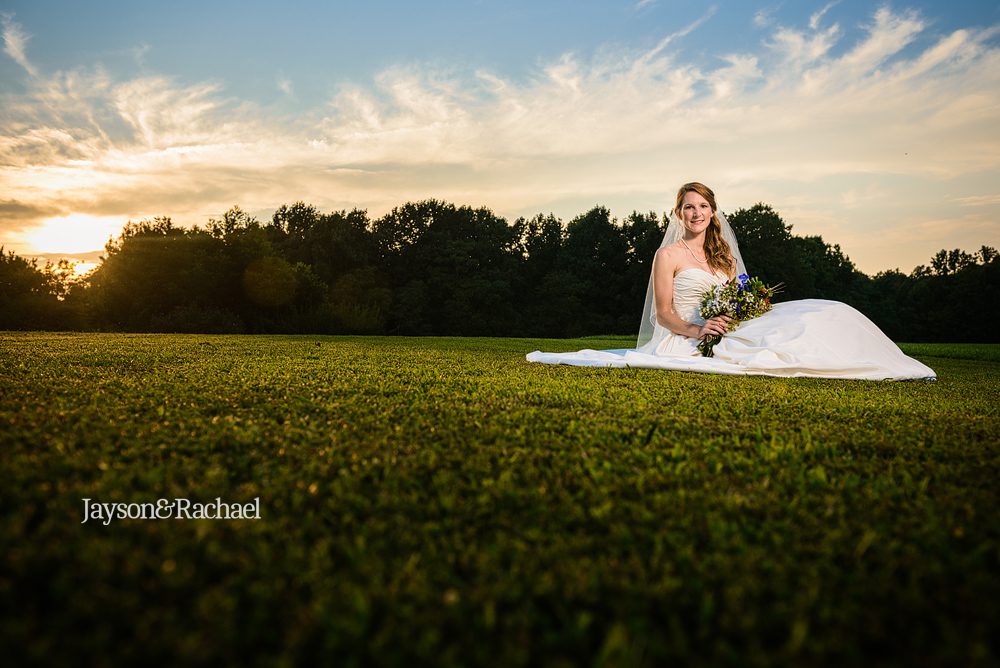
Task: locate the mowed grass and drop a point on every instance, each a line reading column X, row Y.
column 441, row 501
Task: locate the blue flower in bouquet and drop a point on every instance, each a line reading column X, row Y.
column 741, row 299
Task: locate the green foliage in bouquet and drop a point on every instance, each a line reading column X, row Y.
column 740, row 298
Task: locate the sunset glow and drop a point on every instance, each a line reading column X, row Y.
column 84, row 268
column 875, row 127
column 73, row 234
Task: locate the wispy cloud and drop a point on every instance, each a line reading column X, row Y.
column 15, row 43
column 980, row 200
column 673, row 37
column 838, row 141
column 887, row 36
column 800, row 49
column 818, row 16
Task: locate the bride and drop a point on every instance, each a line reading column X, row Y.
column 808, row 337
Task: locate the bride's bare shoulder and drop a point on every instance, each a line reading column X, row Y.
column 669, row 253
column 671, row 250
column 667, row 261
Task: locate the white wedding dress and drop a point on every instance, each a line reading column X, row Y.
column 808, row 337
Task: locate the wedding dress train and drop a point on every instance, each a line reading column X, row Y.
column 808, row 337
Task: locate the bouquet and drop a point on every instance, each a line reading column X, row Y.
column 741, row 298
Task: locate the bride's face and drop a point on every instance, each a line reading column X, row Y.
column 696, row 212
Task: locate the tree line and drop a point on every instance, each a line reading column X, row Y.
column 433, row 268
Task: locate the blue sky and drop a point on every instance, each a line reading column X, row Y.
column 875, row 126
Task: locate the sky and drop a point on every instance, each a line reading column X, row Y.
column 875, row 126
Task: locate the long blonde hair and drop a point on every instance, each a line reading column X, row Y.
column 717, row 251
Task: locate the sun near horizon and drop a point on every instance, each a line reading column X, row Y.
column 77, row 238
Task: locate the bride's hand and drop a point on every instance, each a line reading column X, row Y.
column 718, row 325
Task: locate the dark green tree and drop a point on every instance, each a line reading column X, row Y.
column 452, row 270
column 32, row 298
column 769, row 252
column 826, row 272
column 546, row 294
column 162, row 278
column 889, row 303
column 290, row 226
column 945, row 262
column 595, row 255
column 643, row 233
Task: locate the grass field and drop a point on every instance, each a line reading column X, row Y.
column 441, row 501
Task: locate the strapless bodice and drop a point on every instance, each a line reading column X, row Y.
column 689, row 288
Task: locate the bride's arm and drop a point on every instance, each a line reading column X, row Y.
column 665, row 264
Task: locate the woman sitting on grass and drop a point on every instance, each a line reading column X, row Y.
column 808, row 337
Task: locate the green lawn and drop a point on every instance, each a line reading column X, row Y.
column 441, row 501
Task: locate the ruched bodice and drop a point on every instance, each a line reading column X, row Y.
column 689, row 287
